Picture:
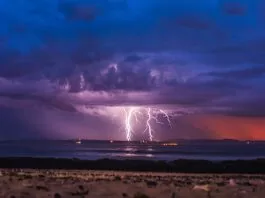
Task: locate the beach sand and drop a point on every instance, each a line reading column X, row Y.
column 29, row 183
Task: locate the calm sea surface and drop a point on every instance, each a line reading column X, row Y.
column 210, row 150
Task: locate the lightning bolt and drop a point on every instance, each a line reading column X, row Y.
column 166, row 116
column 151, row 114
column 148, row 124
column 129, row 114
column 128, row 127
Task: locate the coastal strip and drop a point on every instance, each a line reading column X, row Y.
column 179, row 166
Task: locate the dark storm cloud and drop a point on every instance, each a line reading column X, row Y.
column 194, row 53
column 45, row 101
column 193, row 22
column 249, row 52
column 248, row 107
column 77, row 11
column 241, row 73
column 234, row 9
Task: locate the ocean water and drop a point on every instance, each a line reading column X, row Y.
column 91, row 150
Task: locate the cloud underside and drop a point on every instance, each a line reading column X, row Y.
column 183, row 98
column 197, row 58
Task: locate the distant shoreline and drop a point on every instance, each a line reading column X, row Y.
column 177, row 166
column 135, row 141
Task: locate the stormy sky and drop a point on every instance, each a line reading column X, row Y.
column 69, row 67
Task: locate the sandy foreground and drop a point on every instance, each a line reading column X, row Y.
column 59, row 183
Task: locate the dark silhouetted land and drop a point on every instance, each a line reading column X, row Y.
column 180, row 166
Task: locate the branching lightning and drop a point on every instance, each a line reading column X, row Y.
column 166, row 116
column 148, row 115
column 148, row 124
column 128, row 128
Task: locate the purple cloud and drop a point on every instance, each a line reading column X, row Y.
column 71, row 56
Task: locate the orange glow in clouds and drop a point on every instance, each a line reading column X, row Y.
column 222, row 127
